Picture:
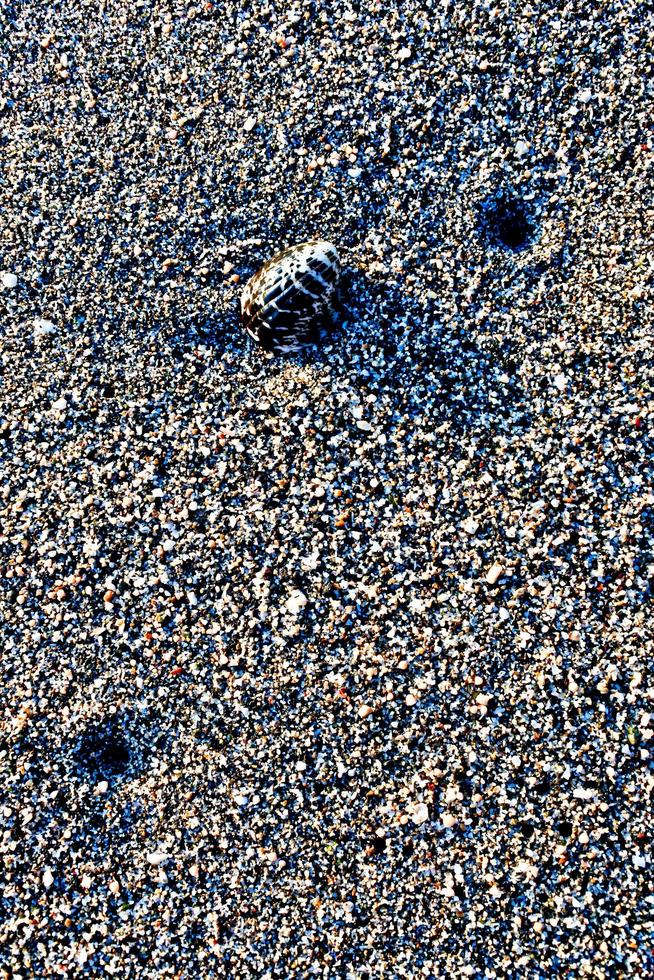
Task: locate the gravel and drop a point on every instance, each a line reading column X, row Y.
column 336, row 664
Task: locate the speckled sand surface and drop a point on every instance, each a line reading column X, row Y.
column 336, row 665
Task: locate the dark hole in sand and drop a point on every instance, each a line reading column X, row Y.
column 514, row 230
column 507, row 222
column 103, row 751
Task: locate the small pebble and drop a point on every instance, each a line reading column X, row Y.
column 42, row 328
column 494, row 573
column 296, row 602
column 420, row 813
column 157, row 858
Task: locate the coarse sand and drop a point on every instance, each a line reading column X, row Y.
column 335, row 664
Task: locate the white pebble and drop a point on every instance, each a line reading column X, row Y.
column 48, row 878
column 494, row 573
column 364, row 711
column 250, row 123
column 448, row 820
column 157, row 858
column 43, row 327
column 296, row 602
column 420, row 813
column 9, row 280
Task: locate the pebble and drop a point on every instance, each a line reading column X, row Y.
column 420, row 813
column 42, row 328
column 157, row 858
column 494, row 573
column 296, row 602
column 9, row 280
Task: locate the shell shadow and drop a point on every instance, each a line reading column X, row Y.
column 421, row 359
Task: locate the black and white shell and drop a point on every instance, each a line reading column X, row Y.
column 290, row 301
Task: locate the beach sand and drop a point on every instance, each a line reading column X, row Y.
column 339, row 664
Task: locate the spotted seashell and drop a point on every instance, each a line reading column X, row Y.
column 290, row 301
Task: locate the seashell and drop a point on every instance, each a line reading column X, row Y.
column 291, row 301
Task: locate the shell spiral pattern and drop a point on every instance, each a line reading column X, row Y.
column 290, row 301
